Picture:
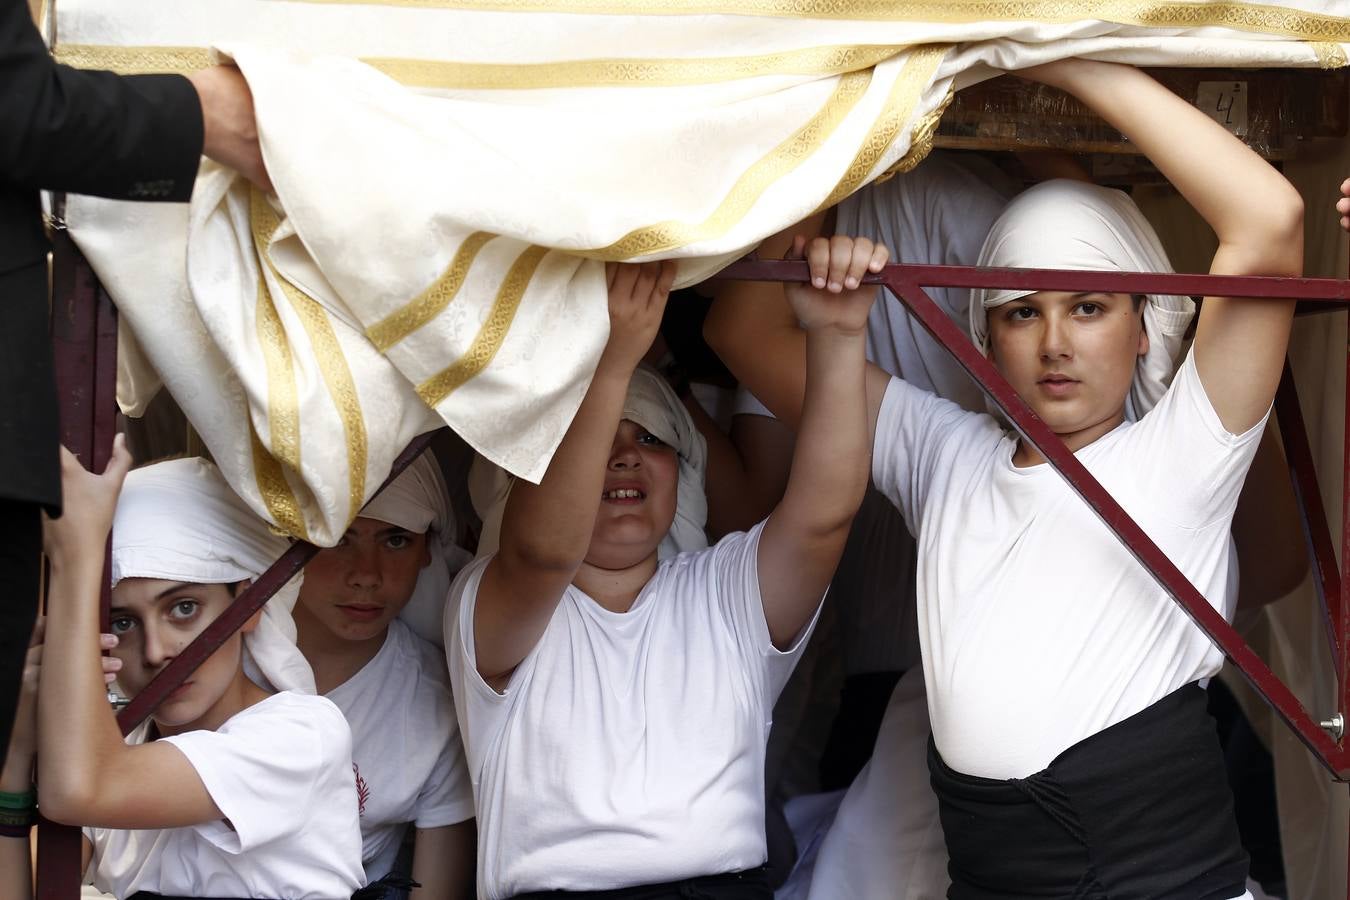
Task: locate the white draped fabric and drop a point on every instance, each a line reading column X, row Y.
column 451, row 173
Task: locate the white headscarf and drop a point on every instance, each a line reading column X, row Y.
column 417, row 500
column 653, row 405
column 178, row 520
column 1065, row 224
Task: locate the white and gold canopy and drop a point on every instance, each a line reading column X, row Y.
column 451, row 174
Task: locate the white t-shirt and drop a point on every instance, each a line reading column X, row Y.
column 1039, row 628
column 405, row 744
column 628, row 748
column 281, row 772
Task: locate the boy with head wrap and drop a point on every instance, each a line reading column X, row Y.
column 1071, row 752
column 615, row 703
column 358, row 615
column 229, row 789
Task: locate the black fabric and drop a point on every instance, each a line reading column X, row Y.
column 390, row 887
column 20, row 580
column 1251, row 776
column 752, row 884
column 862, row 706
column 1139, row 811
column 29, row 415
column 61, row 129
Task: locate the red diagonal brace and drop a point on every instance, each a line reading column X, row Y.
column 239, row 612
column 905, row 282
column 1316, row 528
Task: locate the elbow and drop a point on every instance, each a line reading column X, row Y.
column 1286, row 219
column 66, row 800
column 1277, row 247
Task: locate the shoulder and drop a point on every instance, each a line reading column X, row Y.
column 421, row 660
column 1186, row 412
column 922, row 413
column 292, row 718
column 699, row 571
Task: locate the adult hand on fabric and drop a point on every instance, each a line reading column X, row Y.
column 637, row 300
column 837, row 266
column 1343, row 204
column 230, row 131
column 89, row 501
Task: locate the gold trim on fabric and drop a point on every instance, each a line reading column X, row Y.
column 134, row 60
column 920, row 140
column 778, row 162
column 1154, row 13
column 275, row 490
column 579, row 73
column 283, row 412
column 1329, row 55
column 337, row 375
column 492, row 333
column 910, row 83
column 584, row 73
column 431, row 302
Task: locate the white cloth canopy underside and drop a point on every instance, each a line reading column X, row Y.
column 451, row 175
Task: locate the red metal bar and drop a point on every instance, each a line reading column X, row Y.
column 1314, row 290
column 80, row 319
column 905, row 282
column 1316, row 527
column 1343, row 632
column 239, row 612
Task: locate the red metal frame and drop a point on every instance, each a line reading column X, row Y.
column 907, row 283
column 86, row 376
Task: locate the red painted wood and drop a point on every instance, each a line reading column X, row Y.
column 76, row 325
column 1316, row 526
column 1313, row 290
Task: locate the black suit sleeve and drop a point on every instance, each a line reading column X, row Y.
column 136, row 137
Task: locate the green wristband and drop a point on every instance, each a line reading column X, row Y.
column 17, row 818
column 23, row 802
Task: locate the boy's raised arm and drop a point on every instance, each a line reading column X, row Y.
column 753, row 329
column 546, row 528
column 1239, row 343
column 805, row 534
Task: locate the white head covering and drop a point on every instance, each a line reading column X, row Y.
column 653, row 405
column 1065, row 224
column 418, row 501
column 179, row 520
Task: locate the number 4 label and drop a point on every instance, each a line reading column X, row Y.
column 1225, row 102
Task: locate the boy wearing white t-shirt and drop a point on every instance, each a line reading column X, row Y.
column 392, row 685
column 228, row 790
column 1071, row 752
column 615, row 708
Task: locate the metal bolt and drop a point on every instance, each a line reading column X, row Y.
column 1335, row 725
column 117, row 701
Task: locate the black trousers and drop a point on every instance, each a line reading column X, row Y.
column 752, row 884
column 20, row 581
column 1138, row 811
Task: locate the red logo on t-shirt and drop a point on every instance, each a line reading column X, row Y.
column 362, row 791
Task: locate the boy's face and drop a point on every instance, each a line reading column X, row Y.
column 1071, row 357
column 356, row 588
column 637, row 505
column 154, row 619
